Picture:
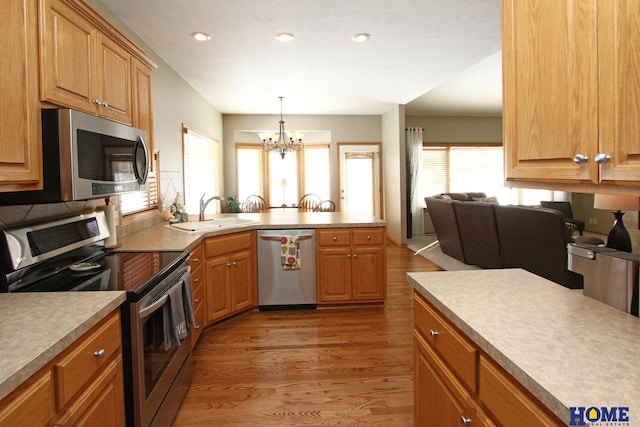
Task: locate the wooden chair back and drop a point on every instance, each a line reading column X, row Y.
column 255, row 203
column 326, row 206
column 309, row 202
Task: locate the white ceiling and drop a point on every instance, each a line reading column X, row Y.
column 445, row 49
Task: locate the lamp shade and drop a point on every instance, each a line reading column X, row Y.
column 616, row 203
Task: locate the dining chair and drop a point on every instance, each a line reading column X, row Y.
column 257, row 202
column 326, row 206
column 309, row 202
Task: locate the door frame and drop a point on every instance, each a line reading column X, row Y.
column 363, row 147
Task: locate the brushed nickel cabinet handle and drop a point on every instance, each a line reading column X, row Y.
column 602, row 158
column 100, row 353
column 580, row 158
column 465, row 421
column 433, row 333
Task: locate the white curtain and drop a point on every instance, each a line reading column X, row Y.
column 413, row 138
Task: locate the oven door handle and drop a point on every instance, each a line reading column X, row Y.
column 149, row 310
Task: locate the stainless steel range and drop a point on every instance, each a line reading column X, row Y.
column 68, row 255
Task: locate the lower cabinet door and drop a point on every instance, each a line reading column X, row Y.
column 334, row 274
column 440, row 399
column 218, row 291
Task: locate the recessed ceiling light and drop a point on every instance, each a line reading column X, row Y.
column 361, row 37
column 285, row 37
column 200, row 36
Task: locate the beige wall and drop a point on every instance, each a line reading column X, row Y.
column 458, row 129
column 175, row 102
column 394, row 173
column 241, row 127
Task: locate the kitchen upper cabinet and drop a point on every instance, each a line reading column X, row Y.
column 88, row 65
column 20, row 140
column 570, row 72
column 141, row 99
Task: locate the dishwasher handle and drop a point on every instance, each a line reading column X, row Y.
column 278, row 237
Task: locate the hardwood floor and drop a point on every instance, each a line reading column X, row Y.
column 347, row 366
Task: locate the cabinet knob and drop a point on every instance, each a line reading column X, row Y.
column 234, row 263
column 197, row 327
column 105, row 104
column 465, row 421
column 348, row 255
column 97, row 101
column 602, row 158
column 195, row 259
column 197, row 300
column 100, row 353
column 196, row 279
column 355, row 255
column 433, row 333
column 335, row 238
column 580, row 158
column 368, row 237
column 228, row 264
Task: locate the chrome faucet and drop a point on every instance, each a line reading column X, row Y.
column 203, row 205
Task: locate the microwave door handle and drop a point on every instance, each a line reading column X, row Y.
column 141, row 177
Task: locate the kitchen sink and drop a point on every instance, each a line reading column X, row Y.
column 212, row 224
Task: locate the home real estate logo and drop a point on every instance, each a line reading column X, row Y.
column 599, row 416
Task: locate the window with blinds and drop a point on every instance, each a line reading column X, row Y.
column 203, row 173
column 451, row 168
column 142, row 201
column 283, row 180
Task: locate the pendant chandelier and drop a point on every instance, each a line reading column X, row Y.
column 286, row 142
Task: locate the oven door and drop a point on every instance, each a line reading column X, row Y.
column 158, row 368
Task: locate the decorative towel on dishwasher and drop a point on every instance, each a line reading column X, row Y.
column 175, row 326
column 290, row 252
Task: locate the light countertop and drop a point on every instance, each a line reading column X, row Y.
column 565, row 348
column 164, row 237
column 36, row 327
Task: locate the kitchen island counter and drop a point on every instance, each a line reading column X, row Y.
column 567, row 349
column 164, row 237
column 36, row 327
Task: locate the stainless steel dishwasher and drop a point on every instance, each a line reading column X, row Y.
column 279, row 288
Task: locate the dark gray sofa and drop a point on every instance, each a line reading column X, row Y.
column 494, row 236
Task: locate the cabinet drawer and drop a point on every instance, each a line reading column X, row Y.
column 456, row 350
column 215, row 246
column 195, row 258
column 368, row 236
column 199, row 315
column 197, row 276
column 198, row 295
column 335, row 237
column 510, row 404
column 86, row 358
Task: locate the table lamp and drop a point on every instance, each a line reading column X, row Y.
column 618, row 236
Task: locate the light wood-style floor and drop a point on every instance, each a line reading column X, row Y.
column 326, row 367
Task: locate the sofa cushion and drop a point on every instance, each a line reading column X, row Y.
column 445, row 225
column 535, row 239
column 479, row 234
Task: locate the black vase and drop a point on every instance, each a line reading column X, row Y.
column 619, row 236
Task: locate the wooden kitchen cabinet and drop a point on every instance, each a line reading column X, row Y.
column 196, row 262
column 231, row 278
column 82, row 386
column 142, row 100
column 20, row 135
column 569, row 69
column 455, row 382
column 82, row 68
column 351, row 265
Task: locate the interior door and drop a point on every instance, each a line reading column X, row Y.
column 360, row 178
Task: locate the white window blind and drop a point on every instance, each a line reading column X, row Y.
column 141, row 201
column 249, row 170
column 202, row 170
column 472, row 168
column 283, row 180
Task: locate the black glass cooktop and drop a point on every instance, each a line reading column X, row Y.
column 134, row 272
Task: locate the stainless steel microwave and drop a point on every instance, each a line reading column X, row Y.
column 86, row 157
